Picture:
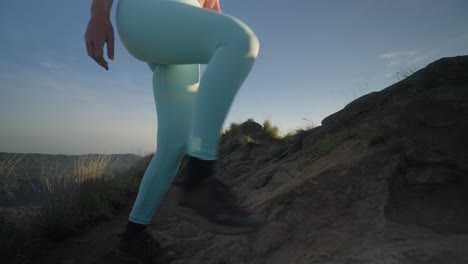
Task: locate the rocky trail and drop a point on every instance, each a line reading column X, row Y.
column 384, row 180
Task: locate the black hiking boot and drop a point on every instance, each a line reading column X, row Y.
column 212, row 206
column 143, row 249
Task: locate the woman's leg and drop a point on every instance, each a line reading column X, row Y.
column 171, row 32
column 177, row 33
column 174, row 89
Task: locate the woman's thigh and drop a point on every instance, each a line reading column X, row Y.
column 171, row 32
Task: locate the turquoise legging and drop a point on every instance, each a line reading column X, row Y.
column 174, row 37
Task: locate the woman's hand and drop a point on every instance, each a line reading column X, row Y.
column 98, row 32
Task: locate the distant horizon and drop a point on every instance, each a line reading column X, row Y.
column 142, row 155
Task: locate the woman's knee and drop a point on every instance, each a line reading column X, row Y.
column 252, row 45
column 243, row 38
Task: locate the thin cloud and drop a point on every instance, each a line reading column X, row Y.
column 52, row 65
column 36, row 83
column 404, row 58
column 398, row 54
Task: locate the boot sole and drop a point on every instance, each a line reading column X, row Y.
column 190, row 215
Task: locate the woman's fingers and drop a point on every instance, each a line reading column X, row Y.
column 89, row 49
column 95, row 52
column 110, row 45
column 98, row 32
column 98, row 55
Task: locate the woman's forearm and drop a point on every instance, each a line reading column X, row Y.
column 101, row 8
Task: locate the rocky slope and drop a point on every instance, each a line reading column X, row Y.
column 384, row 180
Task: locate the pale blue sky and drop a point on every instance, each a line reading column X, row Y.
column 315, row 57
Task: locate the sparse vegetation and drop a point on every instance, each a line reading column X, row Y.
column 245, row 133
column 300, row 131
column 406, row 72
column 266, row 136
column 95, row 200
column 91, row 194
column 8, row 182
column 235, row 128
column 57, row 179
column 270, row 130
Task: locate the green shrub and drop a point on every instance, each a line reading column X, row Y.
column 270, row 130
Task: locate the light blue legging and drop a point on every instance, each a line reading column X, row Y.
column 174, row 37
